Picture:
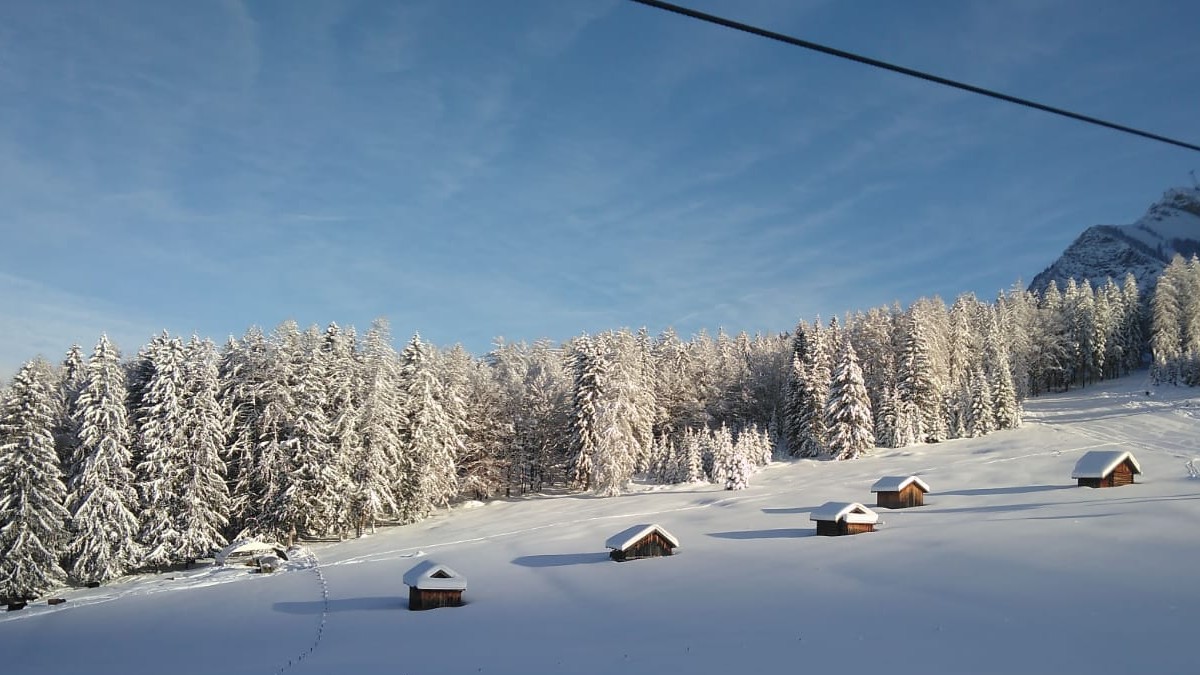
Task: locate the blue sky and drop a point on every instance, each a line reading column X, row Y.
column 543, row 168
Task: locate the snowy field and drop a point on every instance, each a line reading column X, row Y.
column 1008, row 568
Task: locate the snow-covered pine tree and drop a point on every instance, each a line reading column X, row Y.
column 264, row 484
column 1166, row 327
column 1132, row 324
column 625, row 415
column 32, row 516
column 203, row 505
column 103, row 500
column 311, row 502
column 981, row 418
column 817, row 383
column 691, row 457
column 159, row 437
column 591, row 369
column 794, row 406
column 720, row 443
column 66, row 432
column 848, row 413
column 376, row 469
column 429, row 439
column 888, row 430
column 738, row 466
column 920, row 395
column 1190, row 323
column 242, row 370
column 344, row 389
column 1006, row 408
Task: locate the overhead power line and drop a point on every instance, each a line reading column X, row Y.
column 797, row 42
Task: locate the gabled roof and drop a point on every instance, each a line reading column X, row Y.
column 1100, row 463
column 898, row 483
column 851, row 512
column 626, row 538
column 432, row 576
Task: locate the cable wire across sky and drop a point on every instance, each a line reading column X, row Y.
column 936, row 79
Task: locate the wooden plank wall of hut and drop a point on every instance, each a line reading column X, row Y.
column 911, row 496
column 651, row 546
column 859, row 528
column 827, row 528
column 1122, row 475
column 431, row 599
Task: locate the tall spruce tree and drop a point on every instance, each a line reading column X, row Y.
column 375, row 470
column 430, row 440
column 162, row 446
column 203, row 507
column 32, row 494
column 848, row 413
column 103, row 501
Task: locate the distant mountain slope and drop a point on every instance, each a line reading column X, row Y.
column 1170, row 226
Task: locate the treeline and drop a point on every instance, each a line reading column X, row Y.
column 111, row 465
column 1175, row 336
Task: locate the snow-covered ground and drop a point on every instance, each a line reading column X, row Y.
column 1008, row 568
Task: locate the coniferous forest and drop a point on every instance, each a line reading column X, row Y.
column 110, row 465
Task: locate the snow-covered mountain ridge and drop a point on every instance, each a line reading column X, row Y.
column 1145, row 247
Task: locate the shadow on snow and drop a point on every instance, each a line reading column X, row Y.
column 560, row 560
column 787, row 533
column 391, row 602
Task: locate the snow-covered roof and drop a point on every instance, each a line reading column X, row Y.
column 247, row 546
column 626, row 538
column 898, row 483
column 429, row 575
column 851, row 512
column 1100, row 463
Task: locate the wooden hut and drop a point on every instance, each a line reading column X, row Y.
column 1106, row 468
column 433, row 585
column 641, row 541
column 838, row 518
column 899, row 492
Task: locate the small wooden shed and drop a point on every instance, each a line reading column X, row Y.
column 641, row 541
column 433, row 585
column 838, row 518
column 1106, row 468
column 899, row 492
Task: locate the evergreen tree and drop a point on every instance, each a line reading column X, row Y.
column 203, row 505
column 848, row 413
column 429, row 438
column 591, row 367
column 1166, row 333
column 242, row 372
column 737, row 462
column 103, row 500
column 32, row 515
column 919, row 394
column 162, row 446
column 981, row 419
column 376, row 468
column 692, row 458
column 66, row 432
column 311, row 502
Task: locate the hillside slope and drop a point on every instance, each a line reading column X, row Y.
column 1008, row 568
column 1145, row 247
